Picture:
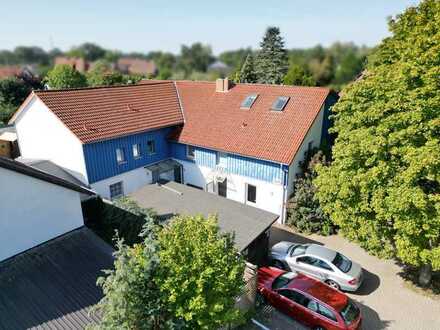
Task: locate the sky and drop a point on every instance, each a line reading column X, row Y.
column 131, row 25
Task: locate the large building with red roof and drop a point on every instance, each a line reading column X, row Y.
column 241, row 141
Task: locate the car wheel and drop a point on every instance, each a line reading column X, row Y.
column 333, row 284
column 279, row 264
column 260, row 301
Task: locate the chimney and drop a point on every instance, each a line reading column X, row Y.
column 222, row 85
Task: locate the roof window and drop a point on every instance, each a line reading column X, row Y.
column 280, row 103
column 248, row 101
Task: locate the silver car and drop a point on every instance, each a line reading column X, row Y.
column 319, row 262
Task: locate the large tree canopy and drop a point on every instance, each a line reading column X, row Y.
column 64, row 76
column 383, row 187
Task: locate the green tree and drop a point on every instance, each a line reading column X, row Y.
column 202, row 272
column 64, row 76
column 247, row 73
column 103, row 75
column 298, row 76
column 89, row 51
column 272, row 62
column 132, row 299
column 303, row 210
column 383, row 186
column 196, row 57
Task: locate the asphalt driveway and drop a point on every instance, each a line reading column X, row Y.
column 385, row 301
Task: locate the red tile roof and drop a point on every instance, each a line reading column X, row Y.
column 99, row 113
column 215, row 120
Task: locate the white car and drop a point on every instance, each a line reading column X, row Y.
column 319, row 262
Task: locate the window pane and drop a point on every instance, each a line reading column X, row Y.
column 116, row 190
column 251, row 193
column 326, row 312
column 151, row 148
column 249, row 101
column 280, row 103
column 120, row 157
column 136, row 150
column 190, row 152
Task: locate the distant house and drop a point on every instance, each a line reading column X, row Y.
column 129, row 65
column 220, row 67
column 77, row 63
column 26, row 71
column 8, row 143
column 36, row 207
column 244, row 142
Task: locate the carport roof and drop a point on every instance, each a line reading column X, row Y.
column 171, row 198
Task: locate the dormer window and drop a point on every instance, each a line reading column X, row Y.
column 248, row 101
column 280, row 103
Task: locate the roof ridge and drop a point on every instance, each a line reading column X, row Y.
column 38, row 91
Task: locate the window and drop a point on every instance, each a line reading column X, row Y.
column 248, row 101
column 342, row 262
column 315, row 262
column 190, row 152
column 116, row 190
column 295, row 296
column 322, row 264
column 136, row 150
column 283, row 280
column 151, row 147
column 120, row 155
column 324, row 311
column 280, row 103
column 251, row 193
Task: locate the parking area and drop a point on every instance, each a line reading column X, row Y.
column 385, row 301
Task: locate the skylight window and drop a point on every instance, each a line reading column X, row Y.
column 280, row 103
column 248, row 101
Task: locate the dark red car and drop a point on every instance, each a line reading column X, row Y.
column 307, row 300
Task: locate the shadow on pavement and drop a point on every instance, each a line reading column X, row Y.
column 370, row 284
column 280, row 234
column 370, row 318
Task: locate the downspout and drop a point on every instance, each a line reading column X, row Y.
column 284, row 206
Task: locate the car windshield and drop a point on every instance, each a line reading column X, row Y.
column 342, row 262
column 283, row 280
column 350, row 312
column 296, row 250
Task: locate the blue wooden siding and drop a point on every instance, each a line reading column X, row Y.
column 239, row 165
column 100, row 157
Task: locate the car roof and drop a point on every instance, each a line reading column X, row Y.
column 321, row 252
column 319, row 291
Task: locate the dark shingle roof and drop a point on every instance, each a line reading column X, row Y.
column 172, row 198
column 19, row 167
column 53, row 286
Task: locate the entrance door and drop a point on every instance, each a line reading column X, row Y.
column 178, row 174
column 222, row 188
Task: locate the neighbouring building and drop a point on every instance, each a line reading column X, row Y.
column 36, row 207
column 138, row 66
column 78, row 63
column 244, row 142
column 8, row 143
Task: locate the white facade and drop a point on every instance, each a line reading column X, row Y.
column 41, row 135
column 131, row 181
column 269, row 196
column 34, row 211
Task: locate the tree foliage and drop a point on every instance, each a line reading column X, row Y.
column 102, row 75
column 298, row 76
column 196, row 57
column 65, row 76
column 247, row 73
column 303, row 210
column 272, row 61
column 201, row 272
column 383, row 186
column 89, row 51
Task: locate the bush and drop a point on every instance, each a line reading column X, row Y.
column 303, row 210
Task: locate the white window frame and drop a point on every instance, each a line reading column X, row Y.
column 120, row 155
column 219, row 156
column 247, row 194
column 188, row 155
column 121, row 183
column 136, row 148
column 153, row 144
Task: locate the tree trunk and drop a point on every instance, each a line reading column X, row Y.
column 425, row 275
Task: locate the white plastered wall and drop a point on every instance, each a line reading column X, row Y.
column 41, row 135
column 34, row 211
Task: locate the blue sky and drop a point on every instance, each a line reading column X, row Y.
column 131, row 25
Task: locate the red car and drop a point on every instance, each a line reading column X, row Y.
column 307, row 300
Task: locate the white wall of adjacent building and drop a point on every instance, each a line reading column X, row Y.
column 131, row 181
column 269, row 196
column 41, row 135
column 34, row 211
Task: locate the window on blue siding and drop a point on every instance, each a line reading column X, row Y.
column 221, row 159
column 251, row 193
column 120, row 155
column 190, row 152
column 151, row 147
column 248, row 101
column 280, row 103
column 136, row 150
